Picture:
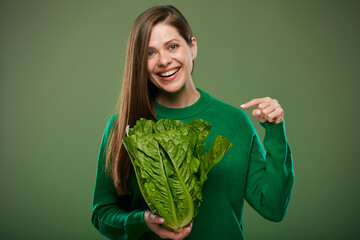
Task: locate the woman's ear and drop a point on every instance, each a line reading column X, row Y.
column 193, row 47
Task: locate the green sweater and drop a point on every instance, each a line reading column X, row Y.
column 246, row 171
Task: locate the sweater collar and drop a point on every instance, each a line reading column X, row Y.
column 183, row 113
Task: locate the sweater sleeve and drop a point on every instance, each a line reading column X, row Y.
column 109, row 214
column 270, row 175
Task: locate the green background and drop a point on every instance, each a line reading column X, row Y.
column 61, row 64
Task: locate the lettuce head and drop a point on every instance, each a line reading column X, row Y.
column 170, row 165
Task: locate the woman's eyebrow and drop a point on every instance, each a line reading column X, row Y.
column 166, row 43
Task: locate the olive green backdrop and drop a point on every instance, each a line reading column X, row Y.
column 61, row 64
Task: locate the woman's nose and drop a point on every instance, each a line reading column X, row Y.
column 165, row 59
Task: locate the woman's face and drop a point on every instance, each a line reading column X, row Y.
column 170, row 58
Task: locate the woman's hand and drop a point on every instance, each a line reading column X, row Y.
column 154, row 223
column 268, row 109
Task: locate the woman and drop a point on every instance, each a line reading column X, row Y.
column 158, row 84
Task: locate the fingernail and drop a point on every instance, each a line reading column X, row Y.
column 258, row 112
column 161, row 220
column 191, row 224
column 242, row 105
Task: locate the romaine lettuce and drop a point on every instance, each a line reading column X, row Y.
column 170, row 165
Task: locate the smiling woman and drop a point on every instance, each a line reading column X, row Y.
column 158, row 84
column 170, row 64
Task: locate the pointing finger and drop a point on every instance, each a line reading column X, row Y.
column 254, row 102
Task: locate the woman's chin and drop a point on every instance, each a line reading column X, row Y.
column 168, row 89
column 172, row 87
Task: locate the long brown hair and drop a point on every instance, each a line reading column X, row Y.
column 137, row 95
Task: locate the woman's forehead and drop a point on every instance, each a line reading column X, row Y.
column 163, row 34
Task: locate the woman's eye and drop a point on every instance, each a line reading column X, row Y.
column 150, row 54
column 172, row 47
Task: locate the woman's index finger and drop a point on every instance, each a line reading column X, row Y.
column 252, row 103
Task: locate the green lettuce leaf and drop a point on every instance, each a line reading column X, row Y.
column 170, row 167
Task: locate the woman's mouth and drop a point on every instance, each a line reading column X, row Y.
column 168, row 73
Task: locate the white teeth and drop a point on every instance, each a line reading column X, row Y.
column 169, row 73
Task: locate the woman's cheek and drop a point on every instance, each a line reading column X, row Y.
column 149, row 65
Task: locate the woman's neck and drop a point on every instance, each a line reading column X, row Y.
column 185, row 97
